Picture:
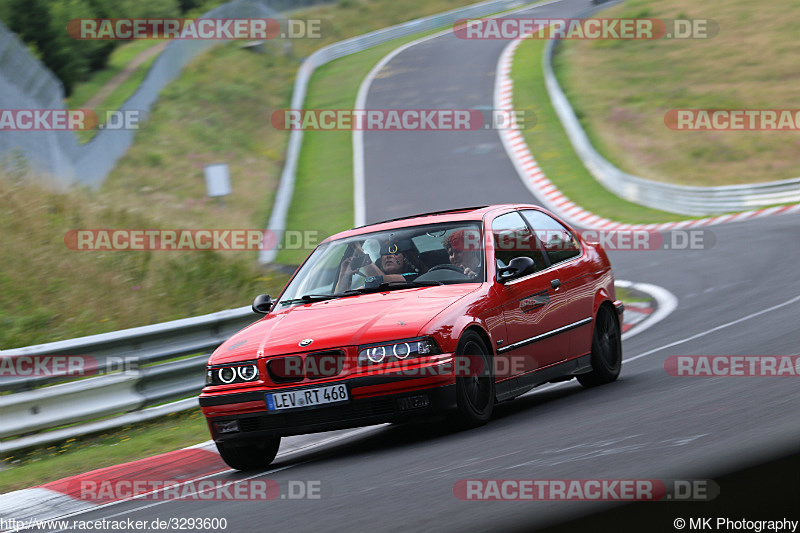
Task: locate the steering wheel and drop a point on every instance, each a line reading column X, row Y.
column 447, row 267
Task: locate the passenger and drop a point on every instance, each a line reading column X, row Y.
column 464, row 251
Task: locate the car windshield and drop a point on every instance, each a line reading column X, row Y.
column 416, row 256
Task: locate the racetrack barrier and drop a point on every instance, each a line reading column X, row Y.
column 137, row 369
column 682, row 199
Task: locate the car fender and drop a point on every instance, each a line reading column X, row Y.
column 449, row 329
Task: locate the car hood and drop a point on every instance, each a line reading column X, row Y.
column 348, row 321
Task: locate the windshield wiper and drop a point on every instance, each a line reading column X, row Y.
column 391, row 285
column 308, row 298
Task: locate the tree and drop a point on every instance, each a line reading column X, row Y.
column 30, row 19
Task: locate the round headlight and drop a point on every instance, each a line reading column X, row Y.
column 248, row 373
column 227, row 374
column 376, row 355
column 402, row 350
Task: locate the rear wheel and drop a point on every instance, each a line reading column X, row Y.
column 475, row 384
column 606, row 350
column 249, row 455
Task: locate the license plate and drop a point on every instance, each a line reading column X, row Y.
column 295, row 399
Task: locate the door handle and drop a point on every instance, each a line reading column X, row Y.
column 556, row 283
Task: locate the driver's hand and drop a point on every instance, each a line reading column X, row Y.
column 346, row 267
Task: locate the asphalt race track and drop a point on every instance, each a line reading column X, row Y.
column 739, row 297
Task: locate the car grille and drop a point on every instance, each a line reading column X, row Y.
column 295, row 368
column 323, row 364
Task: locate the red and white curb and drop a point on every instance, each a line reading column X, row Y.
column 640, row 317
column 636, row 312
column 535, row 180
column 60, row 499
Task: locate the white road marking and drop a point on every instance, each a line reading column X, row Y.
column 717, row 328
column 681, row 341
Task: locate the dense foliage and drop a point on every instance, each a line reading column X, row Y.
column 41, row 24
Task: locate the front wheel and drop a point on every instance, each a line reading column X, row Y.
column 474, row 384
column 250, row 455
column 606, row 350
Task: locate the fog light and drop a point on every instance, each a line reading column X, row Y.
column 228, row 426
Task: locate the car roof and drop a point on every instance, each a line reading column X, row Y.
column 435, row 217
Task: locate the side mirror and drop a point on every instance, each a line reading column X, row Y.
column 262, row 304
column 518, row 267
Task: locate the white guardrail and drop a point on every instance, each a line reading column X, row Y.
column 685, row 200
column 138, row 368
column 29, row 406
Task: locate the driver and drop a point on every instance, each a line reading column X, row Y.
column 464, row 251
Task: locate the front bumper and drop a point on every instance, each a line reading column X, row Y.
column 255, row 421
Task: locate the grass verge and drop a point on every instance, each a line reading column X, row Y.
column 119, row 59
column 551, row 148
column 629, row 296
column 76, row 456
column 49, row 292
column 621, row 91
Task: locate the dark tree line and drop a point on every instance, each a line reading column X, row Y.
column 42, row 25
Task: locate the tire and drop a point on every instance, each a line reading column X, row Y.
column 474, row 393
column 249, row 455
column 606, row 350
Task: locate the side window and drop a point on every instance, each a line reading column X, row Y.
column 512, row 238
column 559, row 243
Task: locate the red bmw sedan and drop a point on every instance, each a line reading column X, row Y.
column 442, row 313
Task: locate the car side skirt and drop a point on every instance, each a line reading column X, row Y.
column 511, row 388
